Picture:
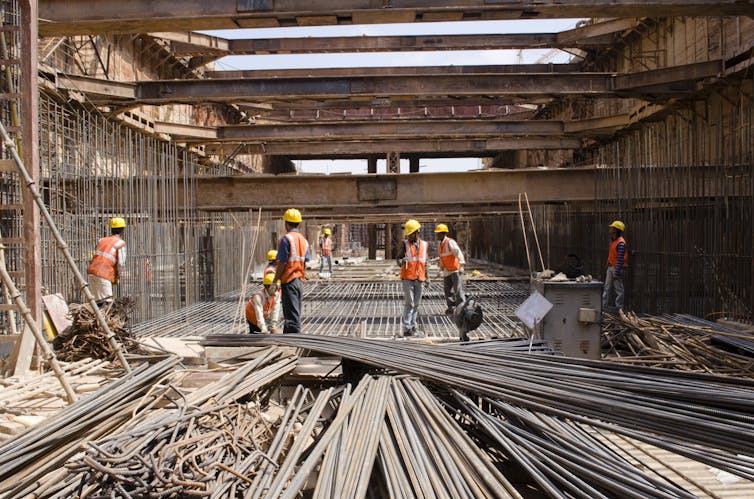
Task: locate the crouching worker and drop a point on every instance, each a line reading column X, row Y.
column 264, row 308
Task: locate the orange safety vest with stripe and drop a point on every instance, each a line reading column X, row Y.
column 105, row 259
column 327, row 246
column 415, row 266
column 448, row 259
column 612, row 256
column 296, row 264
column 268, row 305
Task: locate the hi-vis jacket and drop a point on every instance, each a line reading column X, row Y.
column 451, row 257
column 263, row 310
column 108, row 259
column 618, row 256
column 326, row 246
column 415, row 266
column 296, row 264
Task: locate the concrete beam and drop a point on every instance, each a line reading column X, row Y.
column 403, row 191
column 78, row 17
column 286, row 89
column 413, row 129
column 428, row 148
column 376, row 72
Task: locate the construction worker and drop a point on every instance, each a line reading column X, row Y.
column 451, row 265
column 264, row 309
column 617, row 261
column 272, row 266
column 293, row 253
column 412, row 259
column 108, row 262
column 325, row 250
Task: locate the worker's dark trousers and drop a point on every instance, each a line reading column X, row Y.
column 292, row 293
column 453, row 287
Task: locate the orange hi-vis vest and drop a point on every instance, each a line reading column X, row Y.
column 612, row 256
column 448, row 259
column 296, row 264
column 268, row 305
column 327, row 246
column 105, row 258
column 416, row 262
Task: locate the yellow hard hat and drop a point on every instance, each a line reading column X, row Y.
column 117, row 223
column 411, row 227
column 292, row 215
column 272, row 255
column 269, row 278
column 441, row 228
column 326, row 231
column 618, row 225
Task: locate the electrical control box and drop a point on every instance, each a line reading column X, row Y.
column 573, row 325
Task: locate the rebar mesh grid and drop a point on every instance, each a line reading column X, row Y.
column 356, row 308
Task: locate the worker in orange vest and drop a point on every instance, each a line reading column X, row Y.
column 263, row 309
column 451, row 265
column 293, row 253
column 108, row 262
column 271, row 266
column 325, row 251
column 412, row 260
column 617, row 262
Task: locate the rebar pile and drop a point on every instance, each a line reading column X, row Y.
column 704, row 417
column 85, row 338
column 677, row 343
column 209, row 441
column 45, row 447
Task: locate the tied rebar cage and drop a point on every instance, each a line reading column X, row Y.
column 11, row 216
column 176, row 255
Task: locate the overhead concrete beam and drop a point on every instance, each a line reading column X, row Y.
column 499, row 69
column 428, row 148
column 416, row 190
column 285, row 89
column 79, row 17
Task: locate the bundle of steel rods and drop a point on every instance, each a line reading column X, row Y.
column 213, row 439
column 704, row 417
column 30, row 455
column 676, row 343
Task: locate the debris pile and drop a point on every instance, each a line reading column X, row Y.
column 674, row 342
column 85, row 337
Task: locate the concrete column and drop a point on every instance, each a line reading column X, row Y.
column 372, row 240
column 414, row 164
column 372, row 164
column 389, row 241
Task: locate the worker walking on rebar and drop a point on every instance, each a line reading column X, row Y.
column 617, row 262
column 412, row 260
column 109, row 261
column 325, row 251
column 293, row 253
column 264, row 309
column 272, row 265
column 451, row 266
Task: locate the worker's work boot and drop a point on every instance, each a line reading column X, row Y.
column 449, row 311
column 409, row 332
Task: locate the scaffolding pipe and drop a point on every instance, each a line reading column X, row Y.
column 63, row 247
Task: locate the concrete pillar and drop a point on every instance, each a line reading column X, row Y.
column 372, row 241
column 389, row 241
column 372, row 164
column 414, row 164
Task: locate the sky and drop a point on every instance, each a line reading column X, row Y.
column 443, row 58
